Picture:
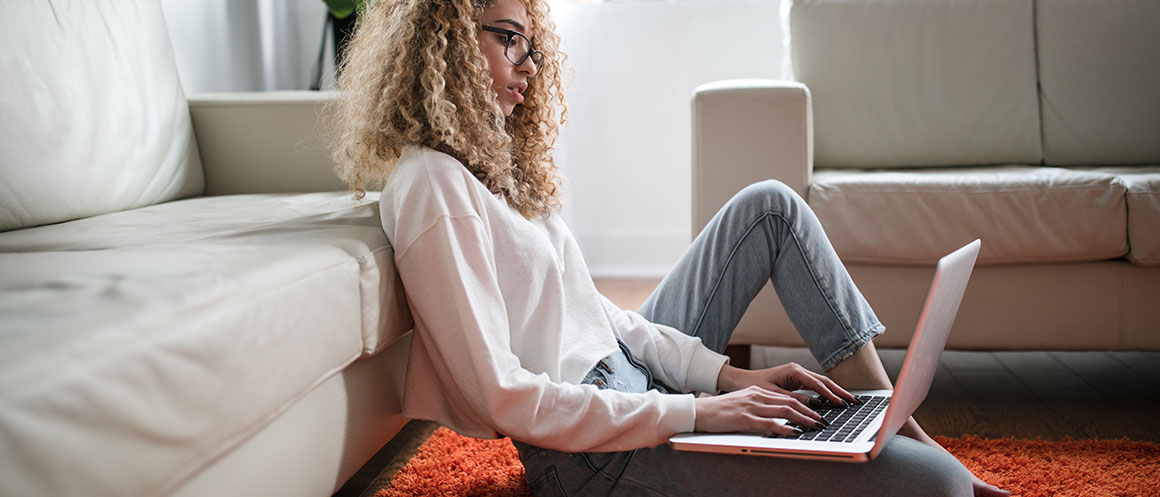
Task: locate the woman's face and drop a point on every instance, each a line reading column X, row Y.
column 508, row 80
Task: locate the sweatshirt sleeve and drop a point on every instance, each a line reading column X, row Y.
column 676, row 359
column 448, row 271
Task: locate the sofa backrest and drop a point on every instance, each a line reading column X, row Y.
column 1099, row 77
column 94, row 117
column 900, row 83
column 905, row 83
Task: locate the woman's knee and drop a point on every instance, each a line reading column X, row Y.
column 916, row 468
column 771, row 195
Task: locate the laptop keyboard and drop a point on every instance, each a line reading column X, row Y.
column 846, row 423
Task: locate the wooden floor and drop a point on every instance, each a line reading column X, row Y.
column 1047, row 395
column 1038, row 394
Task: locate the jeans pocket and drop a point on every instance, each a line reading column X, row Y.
column 547, row 484
column 598, row 376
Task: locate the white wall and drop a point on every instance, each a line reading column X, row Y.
column 626, row 149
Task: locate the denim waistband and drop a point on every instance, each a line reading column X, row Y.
column 621, row 372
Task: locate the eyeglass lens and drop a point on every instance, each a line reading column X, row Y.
column 519, row 48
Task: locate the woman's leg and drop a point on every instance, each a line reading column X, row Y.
column 766, row 232
column 905, row 467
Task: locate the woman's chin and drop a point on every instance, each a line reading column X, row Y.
column 506, row 105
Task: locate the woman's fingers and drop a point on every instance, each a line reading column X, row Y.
column 836, row 389
column 824, row 386
column 805, row 399
column 778, row 405
column 776, row 427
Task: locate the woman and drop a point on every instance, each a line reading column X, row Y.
column 453, row 104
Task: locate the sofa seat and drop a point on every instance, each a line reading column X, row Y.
column 1143, row 202
column 243, row 303
column 1025, row 213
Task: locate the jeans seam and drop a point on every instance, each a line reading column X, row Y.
column 640, row 484
column 854, row 340
column 765, row 216
column 842, row 318
column 601, row 472
column 721, row 276
column 554, row 475
column 588, row 463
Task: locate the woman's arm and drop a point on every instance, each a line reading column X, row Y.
column 753, row 398
column 676, row 359
column 448, row 271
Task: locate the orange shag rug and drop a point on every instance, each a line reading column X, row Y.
column 450, row 464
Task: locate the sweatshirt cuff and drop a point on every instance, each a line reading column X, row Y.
column 680, row 416
column 704, row 368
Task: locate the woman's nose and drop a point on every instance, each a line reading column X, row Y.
column 528, row 67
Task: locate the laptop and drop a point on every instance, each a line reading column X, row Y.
column 859, row 433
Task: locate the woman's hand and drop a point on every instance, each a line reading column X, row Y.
column 753, row 409
column 754, row 398
column 784, row 379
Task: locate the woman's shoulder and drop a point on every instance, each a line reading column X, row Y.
column 427, row 182
column 424, row 165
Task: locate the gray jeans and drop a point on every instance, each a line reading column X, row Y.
column 765, row 233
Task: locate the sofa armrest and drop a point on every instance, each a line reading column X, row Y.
column 263, row 142
column 745, row 131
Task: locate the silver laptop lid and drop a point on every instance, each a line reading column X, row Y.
column 930, row 336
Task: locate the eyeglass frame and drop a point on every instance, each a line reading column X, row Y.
column 536, row 55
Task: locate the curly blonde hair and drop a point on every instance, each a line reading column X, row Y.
column 413, row 73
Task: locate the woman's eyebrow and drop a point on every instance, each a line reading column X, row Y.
column 519, row 27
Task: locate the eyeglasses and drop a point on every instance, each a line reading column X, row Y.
column 517, row 47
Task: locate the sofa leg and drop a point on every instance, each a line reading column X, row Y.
column 739, row 355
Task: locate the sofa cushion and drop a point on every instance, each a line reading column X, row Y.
column 94, row 118
column 1022, row 214
column 1099, row 70
column 905, row 83
column 139, row 345
column 332, row 219
column 1143, row 200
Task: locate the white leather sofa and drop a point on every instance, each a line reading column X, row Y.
column 914, row 126
column 188, row 305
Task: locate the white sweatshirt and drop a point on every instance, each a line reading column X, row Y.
column 508, row 322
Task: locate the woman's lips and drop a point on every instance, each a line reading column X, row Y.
column 519, row 98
